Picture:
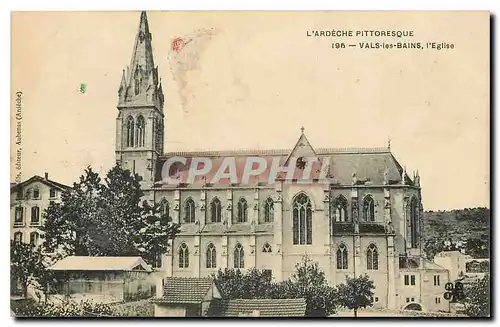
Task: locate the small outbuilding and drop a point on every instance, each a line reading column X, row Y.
column 101, row 279
column 199, row 297
column 185, row 297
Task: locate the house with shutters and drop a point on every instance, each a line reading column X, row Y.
column 28, row 200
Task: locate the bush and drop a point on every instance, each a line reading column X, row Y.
column 67, row 308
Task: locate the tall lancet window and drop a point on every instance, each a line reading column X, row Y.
column 372, row 257
column 302, row 220
column 414, row 222
column 189, row 211
column 342, row 256
column 183, row 256
column 242, row 216
column 339, row 209
column 269, row 210
column 153, row 129
column 368, row 208
column 239, row 256
column 165, row 208
column 216, row 211
column 141, row 131
column 130, row 131
column 137, row 80
column 211, row 256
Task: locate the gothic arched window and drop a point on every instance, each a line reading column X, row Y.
column 165, row 208
column 137, row 80
column 342, row 256
column 239, row 256
column 211, row 256
column 302, row 220
column 368, row 208
column 372, row 257
column 216, row 211
column 414, row 222
column 242, row 214
column 183, row 256
column 267, row 248
column 130, row 131
column 269, row 210
column 160, row 134
column 141, row 131
column 339, row 209
column 189, row 211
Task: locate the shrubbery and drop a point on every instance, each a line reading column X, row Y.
column 308, row 282
column 67, row 308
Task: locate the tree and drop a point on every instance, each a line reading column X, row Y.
column 477, row 248
column 432, row 247
column 26, row 265
column 308, row 273
column 356, row 293
column 235, row 285
column 107, row 218
column 308, row 282
column 477, row 298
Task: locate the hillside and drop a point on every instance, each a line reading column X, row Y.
column 459, row 225
column 464, row 228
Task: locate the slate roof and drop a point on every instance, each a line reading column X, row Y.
column 184, row 290
column 264, row 307
column 84, row 263
column 368, row 163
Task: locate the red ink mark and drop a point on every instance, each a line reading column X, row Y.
column 177, row 44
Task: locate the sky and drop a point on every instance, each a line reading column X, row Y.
column 252, row 80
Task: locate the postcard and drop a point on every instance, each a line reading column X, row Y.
column 250, row 164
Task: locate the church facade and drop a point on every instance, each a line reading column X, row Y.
column 363, row 215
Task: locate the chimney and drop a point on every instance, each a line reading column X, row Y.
column 46, row 176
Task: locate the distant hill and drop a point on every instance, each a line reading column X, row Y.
column 458, row 227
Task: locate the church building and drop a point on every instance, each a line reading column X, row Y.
column 366, row 219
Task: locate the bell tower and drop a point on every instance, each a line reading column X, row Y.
column 140, row 120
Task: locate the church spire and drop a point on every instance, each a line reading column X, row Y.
column 141, row 79
column 142, row 54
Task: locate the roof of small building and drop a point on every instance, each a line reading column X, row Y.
column 431, row 265
column 87, row 263
column 185, row 290
column 36, row 178
column 258, row 307
column 413, row 264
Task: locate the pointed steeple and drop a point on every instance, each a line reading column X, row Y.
column 141, row 79
column 142, row 54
